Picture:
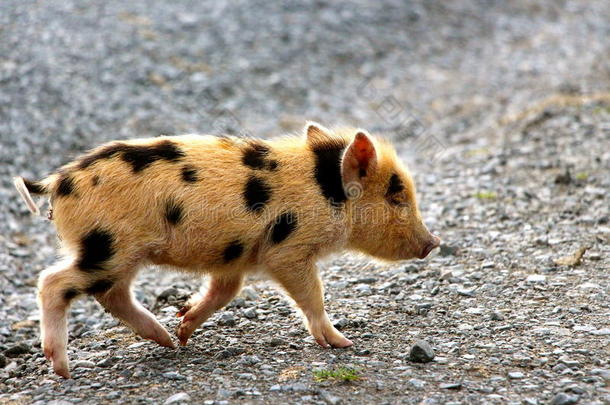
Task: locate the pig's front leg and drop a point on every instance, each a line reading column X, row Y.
column 220, row 292
column 303, row 284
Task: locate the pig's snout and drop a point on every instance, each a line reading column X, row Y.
column 429, row 246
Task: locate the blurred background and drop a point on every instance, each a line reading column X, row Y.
column 502, row 109
column 77, row 73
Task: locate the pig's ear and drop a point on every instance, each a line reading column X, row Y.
column 315, row 133
column 359, row 161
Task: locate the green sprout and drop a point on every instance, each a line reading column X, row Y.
column 337, row 374
column 485, row 195
column 582, row 176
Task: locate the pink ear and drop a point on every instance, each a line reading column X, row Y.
column 362, row 152
column 359, row 160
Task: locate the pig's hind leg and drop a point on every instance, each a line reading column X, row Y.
column 219, row 293
column 57, row 287
column 120, row 302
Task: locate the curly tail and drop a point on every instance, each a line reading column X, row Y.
column 26, row 187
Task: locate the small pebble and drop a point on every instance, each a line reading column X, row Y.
column 564, row 399
column 227, row 319
column 250, row 313
column 451, row 386
column 180, row 397
column 173, row 375
column 83, row 364
column 421, row 352
column 17, row 350
column 329, row 398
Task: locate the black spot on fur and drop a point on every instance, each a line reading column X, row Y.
column 95, row 180
column 65, row 185
column 105, row 152
column 283, row 226
column 34, row 187
column 173, row 212
column 138, row 156
column 99, row 286
column 70, row 293
column 395, row 185
column 361, row 172
column 189, row 174
column 96, row 250
column 257, row 194
column 327, row 171
column 255, row 156
column 141, row 157
column 232, row 251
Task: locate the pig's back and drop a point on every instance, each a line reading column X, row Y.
column 190, row 200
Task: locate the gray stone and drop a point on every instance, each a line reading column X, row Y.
column 274, row 342
column 249, row 293
column 181, row 397
column 447, row 250
column 451, row 386
column 250, row 313
column 18, row 350
column 329, row 398
column 466, row 292
column 83, row 364
column 421, row 352
column 167, row 293
column 536, row 278
column 496, row 316
column 341, row 323
column 564, row 399
column 417, row 383
column 107, row 362
column 227, row 319
column 173, row 375
column 603, row 373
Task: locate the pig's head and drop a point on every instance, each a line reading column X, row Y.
column 381, row 202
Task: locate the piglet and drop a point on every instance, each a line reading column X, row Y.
column 223, row 207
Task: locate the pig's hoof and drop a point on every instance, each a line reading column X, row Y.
column 343, row 342
column 183, row 311
column 333, row 339
column 184, row 332
column 59, row 362
column 164, row 340
column 152, row 330
column 61, row 370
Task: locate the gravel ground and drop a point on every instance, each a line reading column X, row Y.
column 502, row 109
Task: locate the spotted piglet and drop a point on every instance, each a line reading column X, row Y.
column 224, row 207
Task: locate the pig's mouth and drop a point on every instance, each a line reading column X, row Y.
column 429, row 247
column 426, row 251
